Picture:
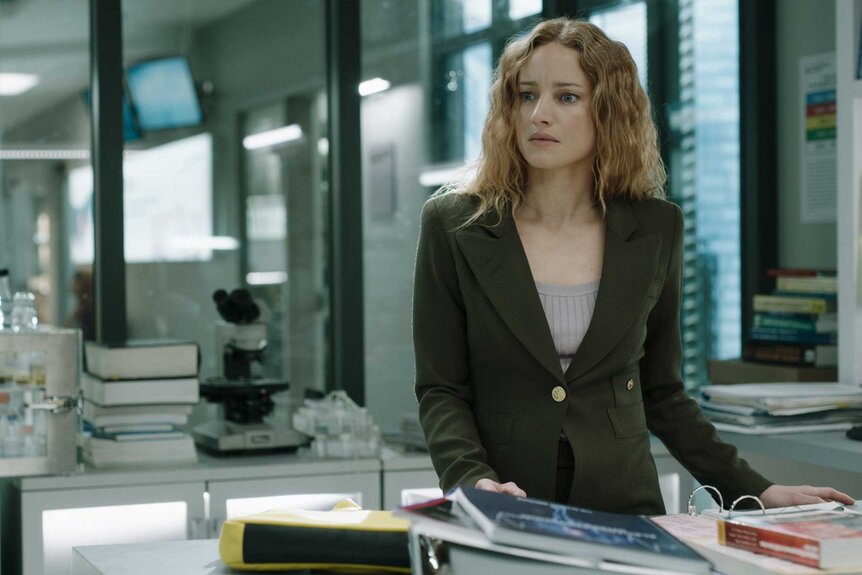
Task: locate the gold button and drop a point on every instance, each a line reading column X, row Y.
column 559, row 394
column 630, row 384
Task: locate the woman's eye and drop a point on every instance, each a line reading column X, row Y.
column 527, row 97
column 569, row 98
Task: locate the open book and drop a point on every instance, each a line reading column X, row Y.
column 592, row 535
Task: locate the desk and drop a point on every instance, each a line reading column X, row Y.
column 201, row 558
column 166, row 558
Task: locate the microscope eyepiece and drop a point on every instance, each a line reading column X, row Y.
column 238, row 307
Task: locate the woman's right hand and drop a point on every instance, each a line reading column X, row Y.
column 509, row 488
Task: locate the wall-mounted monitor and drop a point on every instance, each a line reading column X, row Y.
column 163, row 94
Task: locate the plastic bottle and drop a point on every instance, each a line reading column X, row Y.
column 12, row 444
column 24, row 311
column 5, row 300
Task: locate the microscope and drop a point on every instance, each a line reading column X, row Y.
column 245, row 397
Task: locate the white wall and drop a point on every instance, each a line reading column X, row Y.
column 803, row 28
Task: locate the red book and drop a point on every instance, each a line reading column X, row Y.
column 821, row 539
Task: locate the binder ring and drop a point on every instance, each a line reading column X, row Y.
column 738, row 499
column 692, row 510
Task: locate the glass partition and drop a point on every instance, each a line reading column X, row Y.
column 395, row 136
column 44, row 137
column 224, row 183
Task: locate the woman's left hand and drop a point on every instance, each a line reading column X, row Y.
column 790, row 495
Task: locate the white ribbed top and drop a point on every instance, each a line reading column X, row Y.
column 569, row 309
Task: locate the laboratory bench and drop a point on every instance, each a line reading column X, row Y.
column 43, row 518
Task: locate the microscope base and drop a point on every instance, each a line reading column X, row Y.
column 225, row 437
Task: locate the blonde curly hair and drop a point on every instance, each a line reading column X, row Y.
column 627, row 161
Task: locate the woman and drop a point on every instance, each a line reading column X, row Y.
column 547, row 295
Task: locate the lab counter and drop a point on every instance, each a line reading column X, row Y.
column 833, row 449
column 191, row 501
column 827, row 459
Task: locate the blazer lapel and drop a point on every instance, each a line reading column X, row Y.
column 497, row 258
column 627, row 270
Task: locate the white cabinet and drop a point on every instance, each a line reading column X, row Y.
column 405, row 473
column 44, row 517
column 848, row 20
column 54, row 521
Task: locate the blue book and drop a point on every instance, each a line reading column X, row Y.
column 790, row 335
column 598, row 536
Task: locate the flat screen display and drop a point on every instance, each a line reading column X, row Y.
column 163, row 94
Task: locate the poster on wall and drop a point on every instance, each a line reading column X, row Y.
column 817, row 166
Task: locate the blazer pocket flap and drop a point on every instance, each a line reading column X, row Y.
column 628, row 420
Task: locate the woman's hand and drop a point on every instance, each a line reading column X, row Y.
column 507, row 488
column 790, row 495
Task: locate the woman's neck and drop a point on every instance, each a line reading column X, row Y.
column 559, row 197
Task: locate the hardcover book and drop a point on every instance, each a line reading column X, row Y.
column 100, row 415
column 142, row 359
column 821, row 539
column 816, row 322
column 790, row 303
column 138, row 434
column 800, row 354
column 701, row 533
column 583, row 533
column 791, row 335
column 108, row 392
column 101, row 452
column 728, row 371
column 811, row 284
column 443, row 522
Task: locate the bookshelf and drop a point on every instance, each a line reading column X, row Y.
column 848, row 21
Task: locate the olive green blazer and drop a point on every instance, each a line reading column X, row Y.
column 493, row 397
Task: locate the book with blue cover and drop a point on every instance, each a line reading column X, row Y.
column 599, row 536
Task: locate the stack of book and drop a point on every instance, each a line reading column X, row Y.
column 136, row 399
column 782, row 408
column 485, row 532
column 797, row 324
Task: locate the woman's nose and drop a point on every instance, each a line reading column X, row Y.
column 541, row 112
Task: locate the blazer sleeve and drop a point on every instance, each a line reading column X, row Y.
column 671, row 414
column 442, row 384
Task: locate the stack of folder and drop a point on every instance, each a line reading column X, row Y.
column 782, row 407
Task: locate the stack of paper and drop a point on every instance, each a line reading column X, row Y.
column 782, row 407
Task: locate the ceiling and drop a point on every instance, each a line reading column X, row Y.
column 50, row 38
